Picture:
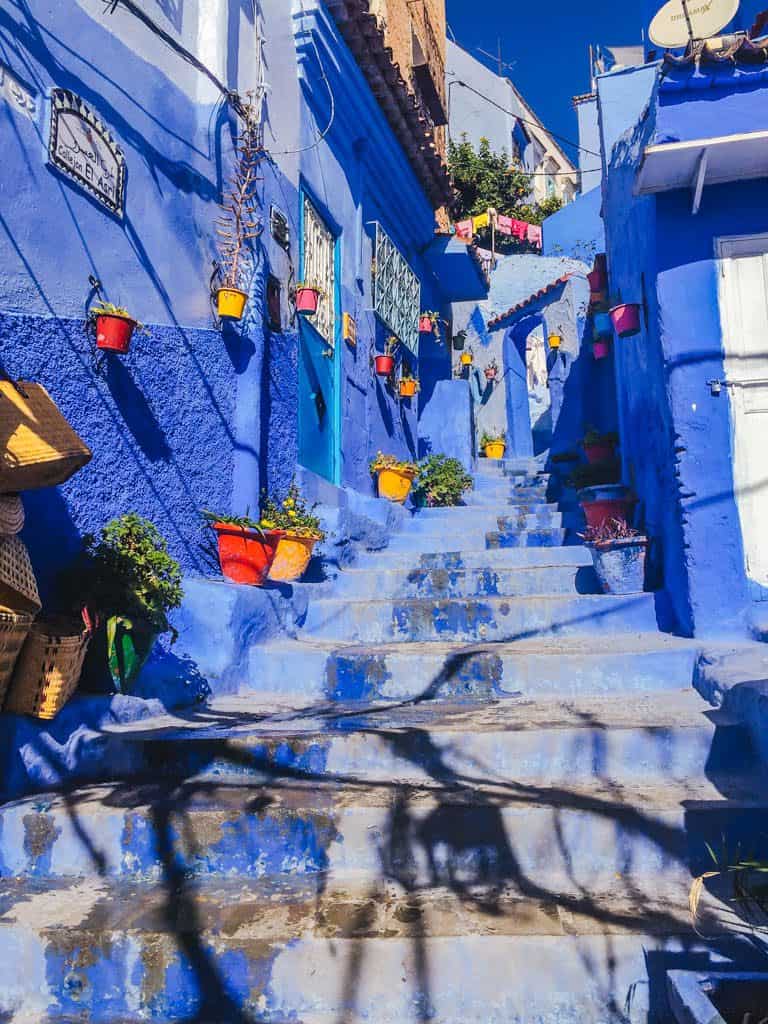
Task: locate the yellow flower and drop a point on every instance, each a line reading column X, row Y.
column 288, row 503
column 267, row 524
column 292, row 513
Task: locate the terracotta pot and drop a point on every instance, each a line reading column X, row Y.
column 246, row 556
column 384, row 365
column 230, row 303
column 601, row 451
column 426, row 325
column 601, row 348
column 495, row 450
column 626, row 319
column 114, row 333
column 408, row 388
column 292, row 558
column 395, row 484
column 307, row 300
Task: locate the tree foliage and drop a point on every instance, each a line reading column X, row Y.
column 485, row 179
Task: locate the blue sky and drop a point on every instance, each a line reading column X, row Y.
column 548, row 40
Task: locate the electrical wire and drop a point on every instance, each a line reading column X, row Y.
column 523, row 120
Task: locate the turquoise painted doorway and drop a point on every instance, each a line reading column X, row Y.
column 319, row 352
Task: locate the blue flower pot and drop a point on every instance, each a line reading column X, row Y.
column 602, row 325
column 620, row 565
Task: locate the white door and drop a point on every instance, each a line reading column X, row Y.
column 744, row 314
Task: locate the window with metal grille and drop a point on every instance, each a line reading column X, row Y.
column 396, row 292
column 320, row 270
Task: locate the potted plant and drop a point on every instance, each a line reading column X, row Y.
column 395, row 476
column 409, row 385
column 626, row 319
column 599, row 447
column 239, row 222
column 600, row 495
column 441, row 482
column 459, row 340
column 114, row 327
column 307, row 298
column 300, row 530
column 493, row 443
column 247, row 548
column 555, row 341
column 385, row 364
column 618, row 555
column 466, row 357
column 428, row 321
column 491, row 370
column 128, row 584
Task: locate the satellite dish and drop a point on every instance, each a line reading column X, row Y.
column 679, row 21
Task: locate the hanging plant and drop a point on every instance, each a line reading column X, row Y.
column 409, row 385
column 239, row 223
column 385, row 364
column 308, row 297
column 428, row 321
column 491, row 370
column 114, row 327
column 459, row 340
column 466, row 357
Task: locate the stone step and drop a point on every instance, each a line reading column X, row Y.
column 555, row 666
column 447, row 529
column 534, row 538
column 469, row 513
column 488, row 581
column 426, row 543
column 383, row 955
column 476, row 558
column 277, row 820
column 471, row 619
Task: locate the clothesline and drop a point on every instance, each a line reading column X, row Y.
column 465, row 230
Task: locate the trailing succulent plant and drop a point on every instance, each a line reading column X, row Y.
column 611, row 530
column 103, row 308
column 493, row 436
column 441, row 481
column 392, row 462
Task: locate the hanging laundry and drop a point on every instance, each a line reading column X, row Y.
column 504, row 224
column 464, row 231
column 482, row 220
column 534, row 235
column 520, row 230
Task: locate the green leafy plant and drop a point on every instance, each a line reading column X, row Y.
column 293, row 515
column 110, row 309
column 390, row 345
column 126, row 572
column 441, row 481
column 493, row 436
column 244, row 522
column 749, row 878
column 433, row 315
column 392, row 462
column 593, row 436
column 593, row 474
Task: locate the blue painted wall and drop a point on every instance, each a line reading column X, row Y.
column 577, row 229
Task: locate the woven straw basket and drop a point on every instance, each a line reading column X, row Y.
column 49, row 668
column 38, row 448
column 18, row 586
column 11, row 514
column 14, row 629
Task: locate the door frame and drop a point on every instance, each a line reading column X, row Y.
column 304, row 325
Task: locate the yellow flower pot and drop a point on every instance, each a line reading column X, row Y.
column 555, row 340
column 495, row 450
column 395, row 484
column 292, row 558
column 230, row 302
column 466, row 358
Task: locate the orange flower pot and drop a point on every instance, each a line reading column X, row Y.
column 230, row 302
column 408, row 388
column 292, row 558
column 495, row 450
column 395, row 484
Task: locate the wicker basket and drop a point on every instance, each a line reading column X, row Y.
column 38, row 448
column 18, row 586
column 14, row 629
column 49, row 668
column 11, row 515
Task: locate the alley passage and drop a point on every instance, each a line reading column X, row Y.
column 471, row 789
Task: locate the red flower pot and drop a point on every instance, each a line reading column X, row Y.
column 425, row 325
column 601, row 348
column 626, row 319
column 600, row 452
column 246, row 556
column 490, row 375
column 597, row 279
column 114, row 333
column 384, row 365
column 599, row 512
column 307, row 300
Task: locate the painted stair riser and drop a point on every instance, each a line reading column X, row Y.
column 479, row 558
column 540, row 538
column 468, row 675
column 472, row 620
column 564, row 849
column 446, row 530
column 464, row 513
column 115, row 977
column 467, row 583
column 423, row 544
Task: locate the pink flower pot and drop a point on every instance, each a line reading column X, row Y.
column 601, row 348
column 425, row 325
column 597, row 280
column 626, row 319
column 306, row 301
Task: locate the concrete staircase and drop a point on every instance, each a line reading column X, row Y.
column 470, row 790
